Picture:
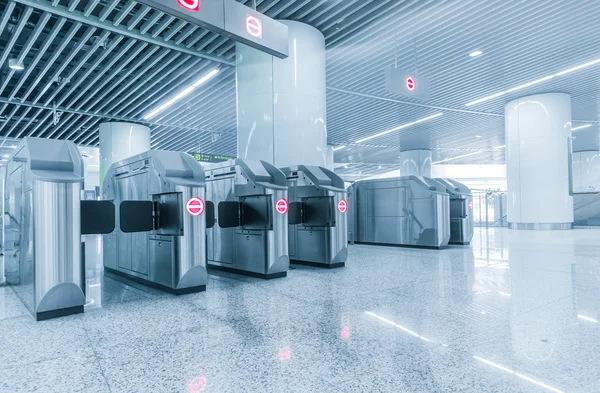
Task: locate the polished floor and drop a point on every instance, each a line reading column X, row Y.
column 516, row 312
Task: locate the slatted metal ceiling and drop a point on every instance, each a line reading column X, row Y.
column 118, row 59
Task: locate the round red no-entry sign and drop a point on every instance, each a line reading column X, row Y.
column 195, row 206
column 254, row 26
column 282, row 206
column 192, row 5
column 411, row 84
column 343, row 206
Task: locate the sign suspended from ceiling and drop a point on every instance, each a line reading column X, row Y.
column 406, row 84
column 231, row 19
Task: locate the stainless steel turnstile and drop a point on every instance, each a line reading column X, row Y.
column 407, row 211
column 318, row 232
column 461, row 211
column 250, row 199
column 162, row 215
column 46, row 219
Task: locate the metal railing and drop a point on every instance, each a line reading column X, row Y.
column 489, row 208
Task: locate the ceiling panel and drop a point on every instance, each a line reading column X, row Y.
column 88, row 61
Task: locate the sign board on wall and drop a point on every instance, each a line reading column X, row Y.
column 406, row 84
column 210, row 157
column 231, row 19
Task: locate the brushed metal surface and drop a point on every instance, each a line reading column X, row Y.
column 409, row 210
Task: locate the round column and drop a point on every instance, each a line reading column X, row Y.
column 415, row 163
column 538, row 156
column 120, row 140
column 281, row 102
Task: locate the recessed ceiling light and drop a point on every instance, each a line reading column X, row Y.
column 477, row 136
column 469, row 155
column 379, row 166
column 475, row 53
column 345, row 166
column 16, row 65
column 339, row 148
column 6, row 156
column 535, row 82
column 182, row 94
column 399, row 128
column 581, row 127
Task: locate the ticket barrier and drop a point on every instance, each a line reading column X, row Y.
column 404, row 211
column 162, row 216
column 318, row 234
column 45, row 219
column 250, row 200
column 461, row 211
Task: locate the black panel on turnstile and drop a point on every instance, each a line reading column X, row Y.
column 257, row 212
column 210, row 214
column 136, row 216
column 318, row 212
column 97, row 217
column 295, row 213
column 229, row 214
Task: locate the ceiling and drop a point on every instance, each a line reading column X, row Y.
column 95, row 60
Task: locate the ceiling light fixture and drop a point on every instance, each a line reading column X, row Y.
column 182, row 94
column 586, row 318
column 475, row 53
column 477, row 136
column 535, row 82
column 339, row 148
column 16, row 65
column 581, row 127
column 400, row 128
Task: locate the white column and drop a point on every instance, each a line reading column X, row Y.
column 330, row 158
column 281, row 102
column 538, row 156
column 415, row 163
column 119, row 141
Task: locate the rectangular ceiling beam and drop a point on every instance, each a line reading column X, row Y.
column 95, row 22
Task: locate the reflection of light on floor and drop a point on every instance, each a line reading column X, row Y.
column 589, row 319
column 398, row 326
column 197, row 385
column 516, row 374
column 504, row 294
column 345, row 333
column 285, row 354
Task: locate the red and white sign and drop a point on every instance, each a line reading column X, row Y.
column 411, row 84
column 282, row 206
column 343, row 206
column 470, row 204
column 190, row 5
column 195, row 206
column 254, row 26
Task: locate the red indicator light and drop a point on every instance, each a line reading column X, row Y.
column 282, row 206
column 197, row 385
column 190, row 5
column 470, row 204
column 285, row 354
column 254, row 26
column 343, row 206
column 411, row 84
column 195, row 206
column 345, row 333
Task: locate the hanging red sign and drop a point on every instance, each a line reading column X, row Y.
column 282, row 206
column 191, row 5
column 254, row 26
column 195, row 206
column 411, row 84
column 343, row 206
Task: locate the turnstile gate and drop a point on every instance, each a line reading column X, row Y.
column 162, row 217
column 461, row 211
column 318, row 232
column 251, row 235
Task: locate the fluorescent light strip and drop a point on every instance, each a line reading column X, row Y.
column 535, row 82
column 339, row 148
column 398, row 326
column 468, row 155
column 400, row 128
column 182, row 94
column 581, row 127
column 525, row 377
column 589, row 319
